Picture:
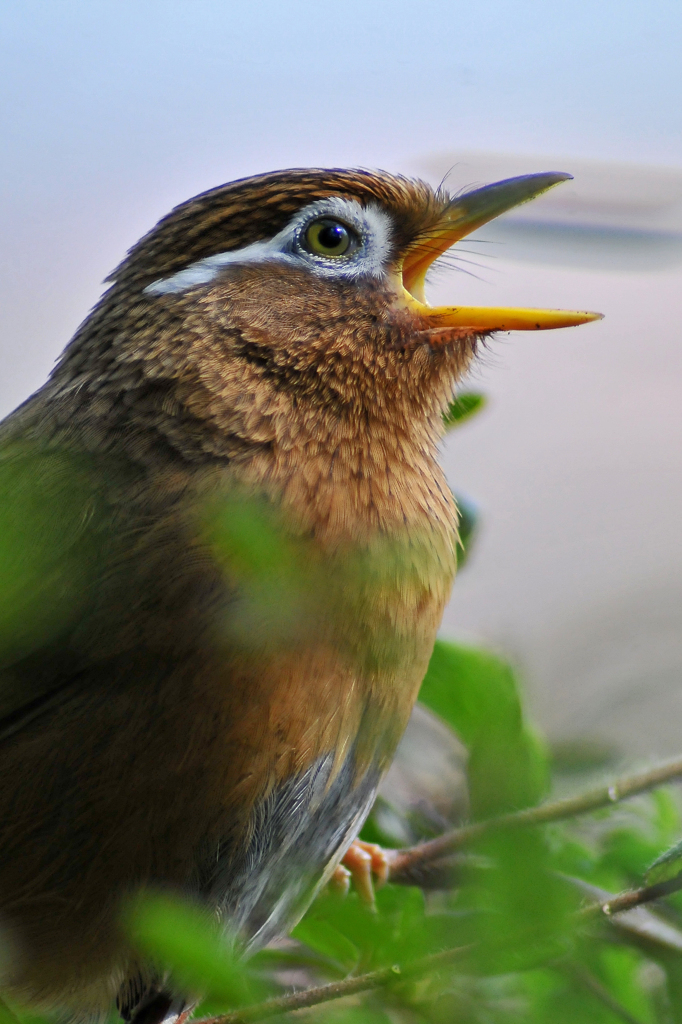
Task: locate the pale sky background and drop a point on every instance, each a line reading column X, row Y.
column 112, row 111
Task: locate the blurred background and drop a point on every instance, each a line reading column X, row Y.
column 113, row 111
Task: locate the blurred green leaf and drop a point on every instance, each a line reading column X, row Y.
column 566, row 998
column 665, row 867
column 463, row 408
column 184, row 938
column 673, row 973
column 49, row 517
column 319, row 934
column 628, row 850
column 477, row 694
column 400, row 930
column 249, row 537
column 9, row 1016
column 525, row 912
column 667, row 817
column 618, row 968
column 522, row 911
column 340, row 1014
column 468, row 523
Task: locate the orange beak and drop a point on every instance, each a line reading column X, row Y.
column 462, row 216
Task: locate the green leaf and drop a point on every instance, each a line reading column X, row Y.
column 184, row 938
column 463, row 408
column 10, row 1015
column 50, row 515
column 665, row 867
column 400, row 930
column 470, row 688
column 335, row 1013
column 320, row 935
column 619, row 970
column 524, row 910
column 629, row 851
column 667, row 819
column 478, row 695
column 467, row 527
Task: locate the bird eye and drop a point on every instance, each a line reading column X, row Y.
column 328, row 237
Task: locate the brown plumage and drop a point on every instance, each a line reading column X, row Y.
column 165, row 723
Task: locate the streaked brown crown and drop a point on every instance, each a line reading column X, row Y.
column 252, row 209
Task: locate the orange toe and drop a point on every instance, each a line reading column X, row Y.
column 340, row 880
column 367, row 864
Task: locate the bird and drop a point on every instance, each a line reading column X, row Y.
column 182, row 705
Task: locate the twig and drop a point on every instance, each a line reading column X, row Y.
column 412, row 866
column 406, row 866
column 337, row 989
column 636, row 897
column 385, row 976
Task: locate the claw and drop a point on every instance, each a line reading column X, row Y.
column 367, row 864
column 340, row 880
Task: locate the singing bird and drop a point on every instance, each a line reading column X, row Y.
column 163, row 721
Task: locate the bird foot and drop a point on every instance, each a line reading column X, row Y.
column 366, row 865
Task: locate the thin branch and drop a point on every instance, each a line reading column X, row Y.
column 387, row 975
column 414, row 865
column 337, row 989
column 636, row 897
column 407, row 866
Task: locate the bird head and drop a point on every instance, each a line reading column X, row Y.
column 293, row 304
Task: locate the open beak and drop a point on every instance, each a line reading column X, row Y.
column 462, row 216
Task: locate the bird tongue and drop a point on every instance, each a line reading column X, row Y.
column 462, row 216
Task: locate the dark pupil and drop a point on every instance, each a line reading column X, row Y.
column 332, row 236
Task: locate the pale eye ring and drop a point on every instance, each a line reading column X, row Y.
column 330, row 238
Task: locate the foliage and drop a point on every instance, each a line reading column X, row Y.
column 186, row 940
column 527, row 953
column 667, row 866
column 465, row 405
column 461, row 409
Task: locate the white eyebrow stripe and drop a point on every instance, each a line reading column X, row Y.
column 372, row 223
column 204, row 271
